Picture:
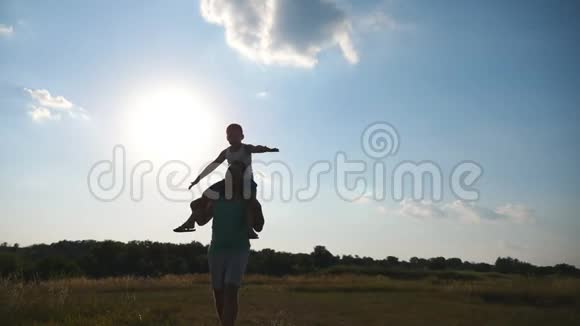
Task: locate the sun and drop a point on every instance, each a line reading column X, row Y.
column 167, row 123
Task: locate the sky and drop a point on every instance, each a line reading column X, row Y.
column 494, row 83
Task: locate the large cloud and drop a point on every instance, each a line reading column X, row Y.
column 285, row 32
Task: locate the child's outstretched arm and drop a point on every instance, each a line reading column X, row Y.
column 209, row 169
column 261, row 149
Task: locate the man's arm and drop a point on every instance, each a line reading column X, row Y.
column 261, row 149
column 209, row 169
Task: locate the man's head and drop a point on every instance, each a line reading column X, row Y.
column 234, row 134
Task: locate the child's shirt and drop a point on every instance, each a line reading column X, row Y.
column 243, row 155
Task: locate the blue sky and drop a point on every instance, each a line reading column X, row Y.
column 494, row 82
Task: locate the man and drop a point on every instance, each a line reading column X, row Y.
column 230, row 246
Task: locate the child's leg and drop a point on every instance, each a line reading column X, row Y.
column 199, row 204
column 251, row 218
column 216, row 191
column 197, row 208
column 257, row 221
column 254, row 216
column 189, row 225
column 259, row 217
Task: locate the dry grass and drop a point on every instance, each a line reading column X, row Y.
column 301, row 300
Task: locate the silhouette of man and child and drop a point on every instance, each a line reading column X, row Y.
column 236, row 214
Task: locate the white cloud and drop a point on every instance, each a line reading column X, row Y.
column 43, row 97
column 382, row 210
column 262, row 94
column 366, row 198
column 465, row 211
column 379, row 21
column 48, row 107
column 284, row 32
column 38, row 113
column 79, row 113
column 471, row 212
column 6, row 30
column 419, row 209
column 516, row 212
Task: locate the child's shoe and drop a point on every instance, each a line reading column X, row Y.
column 188, row 226
column 251, row 234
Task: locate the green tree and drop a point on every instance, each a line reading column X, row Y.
column 322, row 258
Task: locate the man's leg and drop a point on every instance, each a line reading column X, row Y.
column 236, row 267
column 230, row 305
column 216, row 264
column 218, row 297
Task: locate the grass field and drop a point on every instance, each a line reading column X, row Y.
column 480, row 299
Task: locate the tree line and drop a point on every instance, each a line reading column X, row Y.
column 97, row 259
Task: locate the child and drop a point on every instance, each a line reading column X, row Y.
column 240, row 153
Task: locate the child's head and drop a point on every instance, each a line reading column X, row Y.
column 234, row 134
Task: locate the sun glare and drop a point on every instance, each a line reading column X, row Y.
column 167, row 123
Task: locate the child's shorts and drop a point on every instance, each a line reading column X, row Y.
column 218, row 190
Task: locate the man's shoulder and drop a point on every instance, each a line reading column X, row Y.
column 224, row 205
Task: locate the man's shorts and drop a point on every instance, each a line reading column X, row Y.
column 227, row 268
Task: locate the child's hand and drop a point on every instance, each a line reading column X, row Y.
column 192, row 184
column 274, row 150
